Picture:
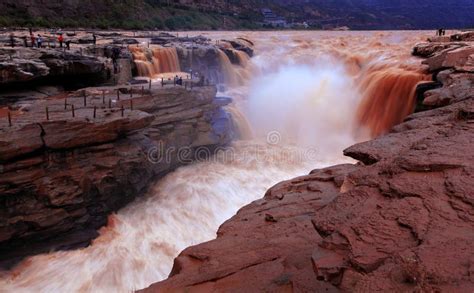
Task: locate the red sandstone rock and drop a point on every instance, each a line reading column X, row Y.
column 17, row 141
column 60, row 179
column 449, row 58
column 70, row 134
column 429, row 49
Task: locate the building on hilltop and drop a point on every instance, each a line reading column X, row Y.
column 273, row 20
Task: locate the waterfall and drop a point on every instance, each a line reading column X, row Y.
column 241, row 123
column 165, row 60
column 227, row 69
column 151, row 62
column 312, row 91
column 388, row 97
column 242, row 57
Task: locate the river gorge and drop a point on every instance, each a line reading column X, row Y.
column 297, row 104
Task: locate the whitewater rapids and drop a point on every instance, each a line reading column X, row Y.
column 296, row 107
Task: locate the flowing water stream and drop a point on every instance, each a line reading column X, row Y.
column 298, row 103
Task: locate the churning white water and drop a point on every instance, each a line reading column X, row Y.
column 311, row 106
column 296, row 115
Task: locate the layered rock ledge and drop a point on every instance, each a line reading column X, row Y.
column 26, row 65
column 68, row 161
column 400, row 220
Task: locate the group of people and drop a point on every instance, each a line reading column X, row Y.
column 201, row 80
column 441, row 32
column 178, row 80
column 38, row 41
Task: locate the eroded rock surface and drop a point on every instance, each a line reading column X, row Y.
column 18, row 65
column 401, row 220
column 60, row 178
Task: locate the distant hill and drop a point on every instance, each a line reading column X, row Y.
column 235, row 14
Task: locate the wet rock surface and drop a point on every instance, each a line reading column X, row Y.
column 60, row 178
column 401, row 220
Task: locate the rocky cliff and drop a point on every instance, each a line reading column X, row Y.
column 68, row 161
column 400, row 220
column 25, row 65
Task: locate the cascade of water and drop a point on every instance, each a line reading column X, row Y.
column 230, row 76
column 242, row 124
column 155, row 61
column 167, row 60
column 307, row 101
column 388, row 97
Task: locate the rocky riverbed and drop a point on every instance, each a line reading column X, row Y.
column 399, row 220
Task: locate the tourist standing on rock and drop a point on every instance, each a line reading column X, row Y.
column 94, row 39
column 25, row 42
column 39, row 41
column 12, row 40
column 60, row 40
column 68, row 45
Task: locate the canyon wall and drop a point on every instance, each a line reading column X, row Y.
column 68, row 161
column 401, row 219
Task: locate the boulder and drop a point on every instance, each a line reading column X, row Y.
column 458, row 86
column 429, row 49
column 449, row 58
